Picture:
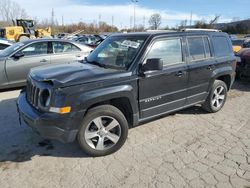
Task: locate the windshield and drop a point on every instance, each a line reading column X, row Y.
column 8, row 51
column 116, row 52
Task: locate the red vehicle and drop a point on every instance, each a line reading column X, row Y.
column 243, row 65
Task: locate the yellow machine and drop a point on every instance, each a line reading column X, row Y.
column 236, row 48
column 24, row 29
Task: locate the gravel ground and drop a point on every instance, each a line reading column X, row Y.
column 190, row 148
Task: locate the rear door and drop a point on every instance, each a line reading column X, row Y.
column 163, row 91
column 201, row 64
column 64, row 52
column 35, row 54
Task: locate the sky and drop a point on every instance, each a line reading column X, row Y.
column 120, row 12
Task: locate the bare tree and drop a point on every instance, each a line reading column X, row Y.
column 10, row 10
column 155, row 21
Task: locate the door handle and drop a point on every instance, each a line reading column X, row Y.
column 179, row 74
column 43, row 61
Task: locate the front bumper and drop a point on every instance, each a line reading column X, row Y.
column 49, row 125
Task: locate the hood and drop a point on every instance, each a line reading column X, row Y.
column 63, row 75
column 244, row 53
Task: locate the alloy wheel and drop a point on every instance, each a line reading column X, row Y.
column 103, row 133
column 218, row 97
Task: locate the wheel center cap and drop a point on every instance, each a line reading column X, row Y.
column 103, row 132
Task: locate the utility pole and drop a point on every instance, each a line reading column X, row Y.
column 99, row 20
column 52, row 20
column 112, row 21
column 131, row 22
column 144, row 19
column 62, row 21
column 191, row 19
column 134, row 1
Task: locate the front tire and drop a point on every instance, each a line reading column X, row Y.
column 216, row 98
column 104, row 130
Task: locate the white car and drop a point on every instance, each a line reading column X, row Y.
column 4, row 44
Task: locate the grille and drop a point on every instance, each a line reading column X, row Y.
column 33, row 94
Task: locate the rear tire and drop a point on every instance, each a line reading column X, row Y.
column 216, row 98
column 104, row 130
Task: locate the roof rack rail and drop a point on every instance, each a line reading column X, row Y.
column 160, row 30
column 211, row 30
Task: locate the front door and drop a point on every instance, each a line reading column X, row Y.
column 164, row 91
column 35, row 55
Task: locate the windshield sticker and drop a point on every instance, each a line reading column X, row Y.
column 131, row 44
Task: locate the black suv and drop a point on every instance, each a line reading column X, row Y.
column 128, row 79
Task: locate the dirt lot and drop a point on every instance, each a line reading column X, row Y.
column 188, row 149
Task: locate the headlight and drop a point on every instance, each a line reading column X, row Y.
column 45, row 97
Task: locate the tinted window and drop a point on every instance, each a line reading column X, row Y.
column 3, row 46
column 196, row 48
column 169, row 51
column 221, row 46
column 64, row 47
column 36, row 49
column 207, row 47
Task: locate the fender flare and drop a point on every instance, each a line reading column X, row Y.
column 90, row 98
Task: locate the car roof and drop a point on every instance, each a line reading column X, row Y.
column 161, row 33
column 46, row 40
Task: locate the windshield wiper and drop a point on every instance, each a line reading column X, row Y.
column 95, row 63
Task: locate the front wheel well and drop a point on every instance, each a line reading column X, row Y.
column 226, row 79
column 122, row 103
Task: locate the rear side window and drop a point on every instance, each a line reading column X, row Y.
column 199, row 48
column 221, row 46
column 169, row 50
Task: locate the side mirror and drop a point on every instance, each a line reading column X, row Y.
column 154, row 64
column 18, row 55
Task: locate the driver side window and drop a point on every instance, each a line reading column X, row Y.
column 40, row 48
column 169, row 50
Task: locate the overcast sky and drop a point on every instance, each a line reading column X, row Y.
column 172, row 11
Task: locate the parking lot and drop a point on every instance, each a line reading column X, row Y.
column 187, row 149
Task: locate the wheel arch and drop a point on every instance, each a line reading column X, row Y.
column 224, row 74
column 120, row 97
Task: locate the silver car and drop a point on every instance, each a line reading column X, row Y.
column 17, row 60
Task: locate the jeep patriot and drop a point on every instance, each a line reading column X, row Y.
column 127, row 80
